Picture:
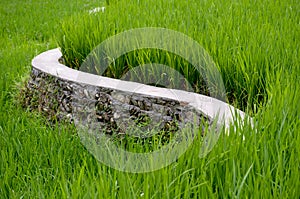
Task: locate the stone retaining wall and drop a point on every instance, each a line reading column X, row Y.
column 115, row 105
column 112, row 109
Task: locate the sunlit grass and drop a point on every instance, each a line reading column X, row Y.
column 247, row 40
column 259, row 39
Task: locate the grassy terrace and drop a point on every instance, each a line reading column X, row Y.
column 256, row 48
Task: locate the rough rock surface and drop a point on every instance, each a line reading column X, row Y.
column 105, row 109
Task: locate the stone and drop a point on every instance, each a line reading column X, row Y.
column 59, row 95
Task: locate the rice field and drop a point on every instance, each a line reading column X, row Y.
column 255, row 45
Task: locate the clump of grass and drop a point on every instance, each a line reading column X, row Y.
column 242, row 37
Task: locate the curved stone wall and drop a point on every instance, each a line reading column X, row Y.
column 115, row 104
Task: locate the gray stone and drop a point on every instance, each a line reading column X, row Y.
column 98, row 101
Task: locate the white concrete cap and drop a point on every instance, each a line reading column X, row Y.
column 48, row 62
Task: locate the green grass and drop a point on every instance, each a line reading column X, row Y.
column 246, row 39
column 42, row 161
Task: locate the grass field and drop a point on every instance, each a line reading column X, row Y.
column 42, row 161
